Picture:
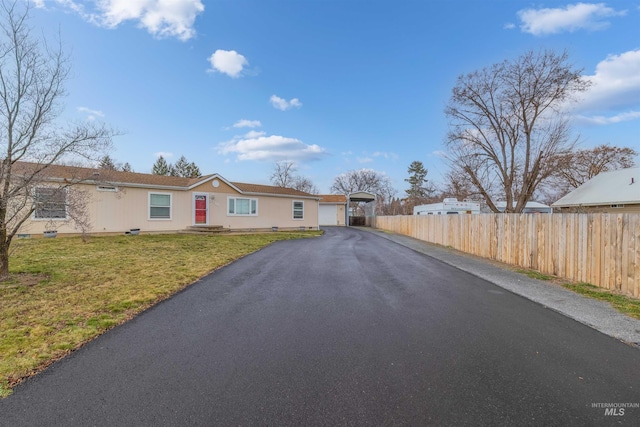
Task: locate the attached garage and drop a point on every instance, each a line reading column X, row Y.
column 332, row 210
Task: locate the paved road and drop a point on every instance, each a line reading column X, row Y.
column 345, row 329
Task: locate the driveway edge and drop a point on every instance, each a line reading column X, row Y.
column 598, row 315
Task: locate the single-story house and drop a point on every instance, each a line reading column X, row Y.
column 333, row 209
column 608, row 192
column 118, row 202
column 530, row 207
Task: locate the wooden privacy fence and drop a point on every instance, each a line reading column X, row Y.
column 601, row 249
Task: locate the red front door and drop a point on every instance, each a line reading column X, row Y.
column 201, row 209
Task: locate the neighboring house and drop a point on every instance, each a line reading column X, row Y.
column 332, row 209
column 608, row 192
column 121, row 201
column 530, row 207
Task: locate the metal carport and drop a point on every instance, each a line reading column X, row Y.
column 361, row 196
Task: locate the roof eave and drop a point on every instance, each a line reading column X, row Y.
column 288, row 196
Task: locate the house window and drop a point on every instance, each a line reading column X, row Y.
column 159, row 206
column 241, row 206
column 617, row 206
column 110, row 188
column 51, row 203
column 298, row 210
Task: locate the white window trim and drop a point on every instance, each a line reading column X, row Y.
column 66, row 207
column 229, row 198
column 293, row 210
column 170, row 206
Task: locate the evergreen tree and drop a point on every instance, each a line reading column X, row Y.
column 193, row 171
column 107, row 163
column 180, row 167
column 185, row 169
column 161, row 167
column 420, row 189
column 127, row 167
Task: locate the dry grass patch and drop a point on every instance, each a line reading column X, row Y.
column 64, row 292
column 622, row 303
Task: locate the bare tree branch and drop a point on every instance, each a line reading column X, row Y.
column 32, row 85
column 506, row 125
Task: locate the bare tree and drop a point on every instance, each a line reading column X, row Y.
column 367, row 180
column 32, row 78
column 302, row 183
column 508, row 126
column 577, row 167
column 284, row 174
column 458, row 185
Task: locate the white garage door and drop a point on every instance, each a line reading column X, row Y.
column 327, row 215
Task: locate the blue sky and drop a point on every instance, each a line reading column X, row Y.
column 335, row 85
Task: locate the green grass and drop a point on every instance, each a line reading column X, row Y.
column 63, row 292
column 535, row 274
column 623, row 304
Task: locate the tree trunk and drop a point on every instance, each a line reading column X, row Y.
column 4, row 259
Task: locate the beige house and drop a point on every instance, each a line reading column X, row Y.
column 608, row 192
column 333, row 209
column 118, row 202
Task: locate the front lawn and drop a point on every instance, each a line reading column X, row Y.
column 64, row 292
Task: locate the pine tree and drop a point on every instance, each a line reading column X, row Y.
column 193, row 171
column 127, row 167
column 185, row 169
column 419, row 190
column 180, row 167
column 107, row 163
column 161, row 167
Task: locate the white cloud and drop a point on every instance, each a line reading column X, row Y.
column 392, row 156
column 228, row 62
column 161, row 18
column 247, row 124
column 254, row 134
column 616, row 84
column 602, row 120
column 579, row 16
column 91, row 114
column 364, row 159
column 371, row 157
column 440, row 154
column 509, row 26
column 283, row 104
column 164, row 154
column 258, row 146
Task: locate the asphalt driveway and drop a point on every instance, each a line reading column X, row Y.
column 345, row 329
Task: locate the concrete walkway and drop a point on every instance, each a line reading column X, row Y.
column 596, row 314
